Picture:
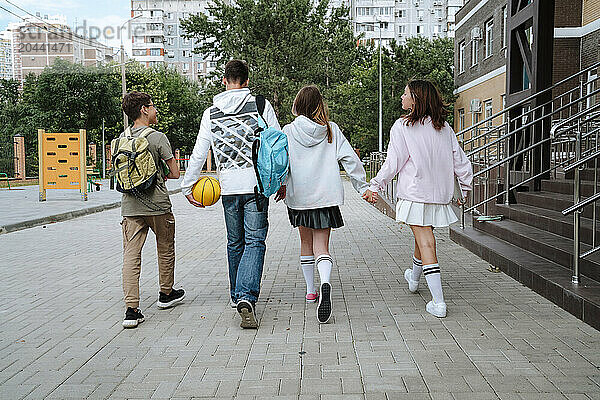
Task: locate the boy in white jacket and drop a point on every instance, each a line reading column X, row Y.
column 314, row 191
column 229, row 127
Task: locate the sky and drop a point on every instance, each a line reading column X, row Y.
column 89, row 14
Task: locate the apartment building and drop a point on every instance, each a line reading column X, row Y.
column 157, row 36
column 38, row 41
column 481, row 45
column 6, row 56
column 401, row 19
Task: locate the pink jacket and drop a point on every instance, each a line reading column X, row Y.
column 426, row 162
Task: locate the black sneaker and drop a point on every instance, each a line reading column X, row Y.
column 246, row 310
column 324, row 308
column 133, row 316
column 169, row 300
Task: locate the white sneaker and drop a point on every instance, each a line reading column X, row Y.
column 413, row 286
column 437, row 310
column 232, row 303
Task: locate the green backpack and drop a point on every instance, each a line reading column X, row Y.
column 133, row 164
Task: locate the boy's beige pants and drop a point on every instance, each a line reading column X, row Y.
column 135, row 231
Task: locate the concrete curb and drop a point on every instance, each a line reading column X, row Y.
column 64, row 216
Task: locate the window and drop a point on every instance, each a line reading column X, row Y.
column 420, row 14
column 488, row 112
column 186, row 53
column 474, row 52
column 401, row 13
column 437, row 29
column 170, row 15
column 384, row 25
column 185, row 41
column 170, row 29
column 420, row 29
column 504, row 16
column 170, row 41
column 489, row 37
column 362, row 11
column 401, row 30
column 155, row 52
column 461, row 57
column 185, row 67
column 171, row 54
column 461, row 119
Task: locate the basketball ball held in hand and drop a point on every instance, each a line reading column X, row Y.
column 207, row 191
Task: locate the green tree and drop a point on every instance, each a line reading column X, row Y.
column 288, row 43
column 355, row 104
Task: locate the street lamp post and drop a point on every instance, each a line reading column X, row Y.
column 380, row 127
column 123, row 82
column 380, row 96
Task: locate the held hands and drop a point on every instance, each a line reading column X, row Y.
column 280, row 193
column 369, row 196
column 192, row 201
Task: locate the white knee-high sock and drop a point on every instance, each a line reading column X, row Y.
column 434, row 281
column 308, row 269
column 324, row 264
column 417, row 269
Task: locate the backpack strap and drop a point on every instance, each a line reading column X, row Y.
column 146, row 132
column 260, row 106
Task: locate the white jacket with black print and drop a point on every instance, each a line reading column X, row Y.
column 228, row 126
column 314, row 179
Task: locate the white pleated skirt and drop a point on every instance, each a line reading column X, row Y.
column 425, row 214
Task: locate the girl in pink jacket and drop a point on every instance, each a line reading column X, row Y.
column 424, row 153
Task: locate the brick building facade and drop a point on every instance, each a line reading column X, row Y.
column 480, row 52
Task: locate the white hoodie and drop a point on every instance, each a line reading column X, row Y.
column 228, row 126
column 314, row 179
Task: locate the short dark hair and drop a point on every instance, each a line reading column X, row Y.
column 236, row 71
column 133, row 102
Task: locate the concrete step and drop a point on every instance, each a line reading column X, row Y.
column 553, row 201
column 549, row 279
column 567, row 186
column 549, row 220
column 551, row 246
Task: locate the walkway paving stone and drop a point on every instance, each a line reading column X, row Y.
column 61, row 334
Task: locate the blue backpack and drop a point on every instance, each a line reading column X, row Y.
column 270, row 157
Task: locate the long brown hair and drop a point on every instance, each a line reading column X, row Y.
column 309, row 103
column 428, row 103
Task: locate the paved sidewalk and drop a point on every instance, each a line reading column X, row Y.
column 22, row 209
column 61, row 335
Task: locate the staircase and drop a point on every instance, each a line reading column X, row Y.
column 533, row 244
column 548, row 152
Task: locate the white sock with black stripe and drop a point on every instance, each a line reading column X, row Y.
column 417, row 269
column 434, row 281
column 324, row 265
column 308, row 269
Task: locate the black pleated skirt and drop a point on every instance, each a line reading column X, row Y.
column 317, row 218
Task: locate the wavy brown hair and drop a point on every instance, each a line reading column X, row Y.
column 309, row 103
column 428, row 103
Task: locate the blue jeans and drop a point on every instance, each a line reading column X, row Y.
column 246, row 233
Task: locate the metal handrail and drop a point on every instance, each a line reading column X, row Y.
column 533, row 96
column 582, row 161
column 581, row 204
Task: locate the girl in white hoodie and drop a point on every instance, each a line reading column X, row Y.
column 314, row 191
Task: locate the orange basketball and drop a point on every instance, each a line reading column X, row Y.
column 207, row 191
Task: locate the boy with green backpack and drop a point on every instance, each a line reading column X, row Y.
column 139, row 155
